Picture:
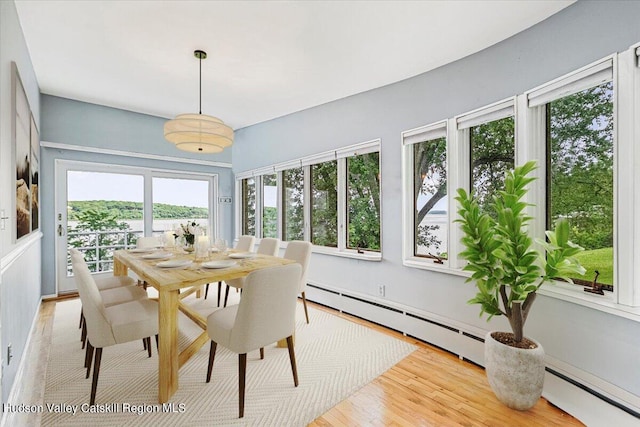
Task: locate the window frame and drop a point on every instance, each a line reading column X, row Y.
column 340, row 156
column 530, row 144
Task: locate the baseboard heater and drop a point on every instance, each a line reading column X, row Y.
column 337, row 296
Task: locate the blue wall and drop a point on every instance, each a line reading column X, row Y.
column 19, row 274
column 81, row 124
column 603, row 345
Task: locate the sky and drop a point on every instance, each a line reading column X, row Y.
column 112, row 186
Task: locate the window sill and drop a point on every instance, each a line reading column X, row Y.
column 604, row 303
column 348, row 253
column 428, row 264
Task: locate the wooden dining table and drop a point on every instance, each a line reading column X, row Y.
column 174, row 284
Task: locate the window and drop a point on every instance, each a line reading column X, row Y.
column 492, row 155
column 324, row 204
column 331, row 199
column 269, row 205
column 293, row 204
column 580, row 176
column 178, row 200
column 426, row 216
column 431, row 214
column 248, row 209
column 363, row 202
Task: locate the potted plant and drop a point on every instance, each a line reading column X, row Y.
column 507, row 271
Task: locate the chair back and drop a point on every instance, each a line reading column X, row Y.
column 98, row 327
column 267, row 309
column 148, row 242
column 245, row 243
column 269, row 246
column 300, row 252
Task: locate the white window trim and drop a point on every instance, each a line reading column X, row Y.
column 408, row 138
column 340, row 155
column 529, row 113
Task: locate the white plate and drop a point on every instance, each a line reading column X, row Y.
column 242, row 255
column 174, row 263
column 218, row 264
column 141, row 250
column 158, row 255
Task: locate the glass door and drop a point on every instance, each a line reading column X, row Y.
column 99, row 212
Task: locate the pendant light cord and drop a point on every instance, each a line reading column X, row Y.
column 200, row 110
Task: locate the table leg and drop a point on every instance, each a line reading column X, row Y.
column 168, row 344
column 119, row 269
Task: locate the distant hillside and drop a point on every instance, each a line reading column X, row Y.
column 133, row 210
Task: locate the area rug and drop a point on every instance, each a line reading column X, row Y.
column 335, row 357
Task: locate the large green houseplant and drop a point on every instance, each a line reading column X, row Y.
column 506, row 267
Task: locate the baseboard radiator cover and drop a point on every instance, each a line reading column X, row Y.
column 567, row 391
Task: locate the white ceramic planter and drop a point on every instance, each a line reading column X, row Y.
column 516, row 375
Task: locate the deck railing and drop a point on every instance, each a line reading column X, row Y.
column 98, row 246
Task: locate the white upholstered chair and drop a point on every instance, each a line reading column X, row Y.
column 114, row 289
column 148, row 242
column 107, row 326
column 300, row 252
column 266, row 314
column 268, row 246
column 245, row 244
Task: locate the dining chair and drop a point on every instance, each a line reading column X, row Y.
column 300, row 252
column 245, row 244
column 265, row 314
column 268, row 246
column 107, row 326
column 115, row 289
column 148, row 242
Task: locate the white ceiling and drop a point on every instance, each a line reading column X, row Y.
column 265, row 58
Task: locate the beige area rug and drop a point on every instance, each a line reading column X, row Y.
column 335, row 358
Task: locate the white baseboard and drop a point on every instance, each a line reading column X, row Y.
column 589, row 399
column 14, row 394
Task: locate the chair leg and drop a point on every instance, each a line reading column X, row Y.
column 81, row 319
column 212, row 356
column 219, row 292
column 242, row 373
column 206, row 291
column 304, row 302
column 147, row 341
column 87, row 358
column 157, row 346
column 83, row 334
column 226, row 296
column 292, row 358
column 261, row 353
column 144, row 343
column 96, row 372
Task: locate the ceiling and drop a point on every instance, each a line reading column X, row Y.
column 265, row 59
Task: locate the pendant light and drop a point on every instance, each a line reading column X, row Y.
column 198, row 133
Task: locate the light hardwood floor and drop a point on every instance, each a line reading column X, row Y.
column 430, row 387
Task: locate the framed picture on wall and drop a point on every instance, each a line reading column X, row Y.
column 35, row 172
column 23, row 153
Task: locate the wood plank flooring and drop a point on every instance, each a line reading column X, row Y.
column 430, row 387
